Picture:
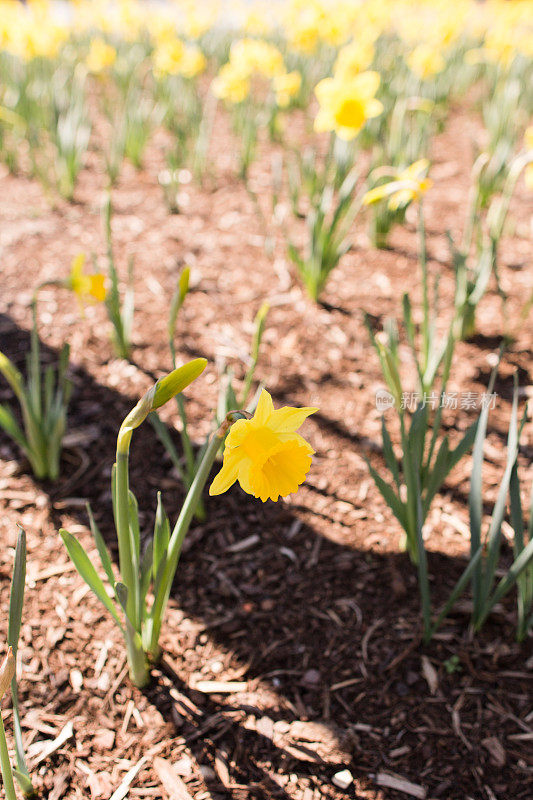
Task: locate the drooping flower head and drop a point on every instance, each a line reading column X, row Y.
column 407, row 185
column 265, row 454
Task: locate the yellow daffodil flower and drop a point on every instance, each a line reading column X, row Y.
column 354, row 58
column 101, row 56
column 265, row 454
column 286, row 87
column 230, row 84
column 168, row 56
column 408, row 185
column 425, row 61
column 345, row 105
column 86, row 287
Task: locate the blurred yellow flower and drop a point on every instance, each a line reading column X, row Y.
column 101, row 56
column 231, row 84
column 265, row 454
column 354, row 58
column 286, row 86
column 193, row 62
column 408, row 185
column 345, row 105
column 168, row 56
column 256, row 56
column 425, row 61
column 86, row 287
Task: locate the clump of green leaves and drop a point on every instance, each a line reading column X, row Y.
column 137, row 612
column 331, row 207
column 43, row 401
column 120, row 310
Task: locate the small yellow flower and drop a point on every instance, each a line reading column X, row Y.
column 408, row 185
column 231, row 84
column 426, row 61
column 353, row 58
column 265, row 454
column 345, row 105
column 286, row 86
column 101, row 56
column 86, row 287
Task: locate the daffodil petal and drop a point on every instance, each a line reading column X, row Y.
column 237, row 433
column 264, row 410
column 366, row 83
column 227, row 475
column 288, row 420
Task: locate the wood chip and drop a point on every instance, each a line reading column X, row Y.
column 391, row 781
column 39, row 751
column 170, row 780
column 129, row 777
column 220, row 687
column 496, row 750
column 430, row 674
column 245, row 544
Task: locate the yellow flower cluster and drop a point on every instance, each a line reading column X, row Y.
column 172, row 57
column 255, row 58
column 101, row 56
column 30, row 32
column 503, row 30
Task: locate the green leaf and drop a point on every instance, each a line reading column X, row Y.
column 12, row 428
column 146, row 573
column 498, row 513
column 388, row 494
column 161, row 535
column 11, row 374
column 388, row 452
column 105, row 557
column 16, row 599
column 163, row 434
column 177, row 301
column 133, row 517
column 85, row 567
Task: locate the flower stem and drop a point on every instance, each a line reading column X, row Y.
column 178, row 535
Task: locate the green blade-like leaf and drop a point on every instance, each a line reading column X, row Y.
column 163, row 435
column 12, row 428
column 388, row 494
column 16, row 598
column 85, row 567
column 388, row 452
column 437, row 475
column 161, row 535
column 498, row 513
column 103, row 552
column 458, row 589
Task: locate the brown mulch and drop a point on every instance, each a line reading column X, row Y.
column 292, row 644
